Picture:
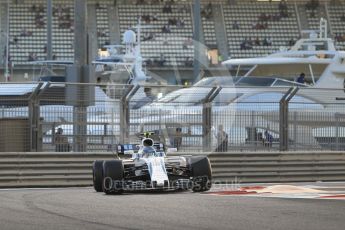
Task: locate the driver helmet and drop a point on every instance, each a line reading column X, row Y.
column 148, row 151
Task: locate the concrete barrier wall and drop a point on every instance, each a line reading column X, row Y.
column 74, row 169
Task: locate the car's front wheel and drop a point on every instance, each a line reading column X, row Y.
column 201, row 173
column 112, row 176
column 97, row 175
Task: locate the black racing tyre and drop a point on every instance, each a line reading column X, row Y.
column 201, row 173
column 97, row 172
column 112, row 171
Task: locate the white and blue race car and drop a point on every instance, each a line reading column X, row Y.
column 150, row 169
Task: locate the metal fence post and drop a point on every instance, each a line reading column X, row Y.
column 284, row 118
column 295, row 129
column 253, row 131
column 125, row 113
column 207, row 118
column 337, row 132
column 206, row 126
column 34, row 119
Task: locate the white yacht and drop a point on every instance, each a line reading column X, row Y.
column 122, row 64
column 316, row 57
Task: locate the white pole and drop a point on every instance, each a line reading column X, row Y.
column 7, row 41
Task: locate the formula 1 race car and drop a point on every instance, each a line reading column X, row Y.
column 148, row 168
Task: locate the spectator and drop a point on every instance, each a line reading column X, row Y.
column 148, row 37
column 178, row 138
column 40, row 8
column 32, row 56
column 167, row 8
column 172, row 21
column 183, row 9
column 291, row 42
column 312, row 5
column 283, row 9
column 246, row 44
column 146, row 18
column 207, row 11
column 39, row 22
column 97, row 5
column 250, row 42
column 61, row 142
column 263, row 17
column 257, row 41
column 149, row 62
column 166, row 29
column 161, row 60
column 180, row 23
column 33, row 8
column 268, row 139
column 188, row 62
column 154, row 17
column 276, row 17
column 59, row 10
column 102, row 33
column 184, row 46
column 301, row 78
column 222, row 140
column 165, row 41
column 235, row 25
column 25, row 33
column 140, row 2
column 339, row 38
column 15, row 41
column 342, row 18
column 267, row 42
column 187, row 42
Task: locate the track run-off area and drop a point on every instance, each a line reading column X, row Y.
column 221, row 208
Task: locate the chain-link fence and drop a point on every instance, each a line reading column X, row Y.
column 86, row 117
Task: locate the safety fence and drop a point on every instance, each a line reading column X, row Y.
column 66, row 117
column 75, row 169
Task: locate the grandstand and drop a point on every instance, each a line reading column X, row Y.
column 247, row 16
column 337, row 25
column 168, row 33
column 169, row 43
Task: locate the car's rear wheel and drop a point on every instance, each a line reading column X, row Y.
column 201, row 173
column 97, row 172
column 112, row 176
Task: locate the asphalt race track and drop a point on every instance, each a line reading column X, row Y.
column 82, row 208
